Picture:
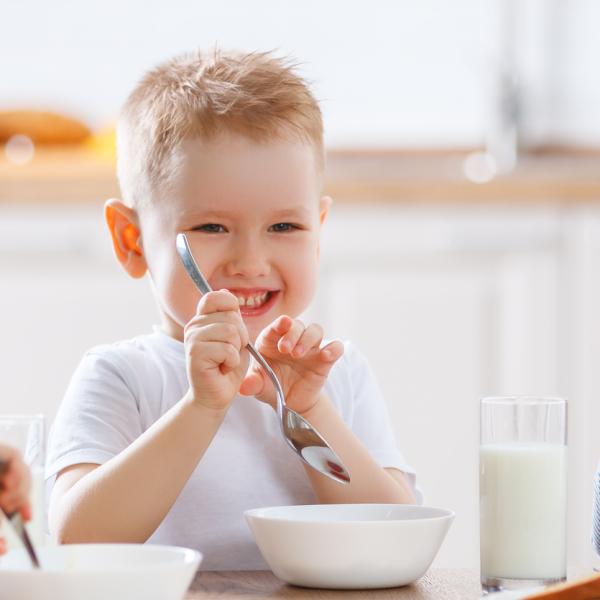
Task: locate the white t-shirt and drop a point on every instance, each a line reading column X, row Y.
column 119, row 390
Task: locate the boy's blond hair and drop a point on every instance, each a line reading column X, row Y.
column 199, row 96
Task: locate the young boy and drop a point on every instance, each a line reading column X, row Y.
column 155, row 440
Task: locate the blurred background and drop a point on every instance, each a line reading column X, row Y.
column 462, row 253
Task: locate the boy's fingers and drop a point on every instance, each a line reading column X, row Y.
column 310, row 338
column 11, row 502
column 287, row 342
column 231, row 362
column 219, row 301
column 25, row 511
column 222, row 332
column 226, row 354
column 8, row 453
column 252, row 384
column 15, row 482
column 17, row 476
column 283, row 323
column 332, row 351
column 209, row 324
column 280, row 326
column 215, row 354
column 16, row 503
column 9, row 480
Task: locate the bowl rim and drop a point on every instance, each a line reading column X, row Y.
column 255, row 513
column 189, row 557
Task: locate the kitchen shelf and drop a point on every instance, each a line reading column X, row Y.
column 76, row 175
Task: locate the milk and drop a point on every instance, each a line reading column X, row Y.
column 523, row 510
column 36, row 527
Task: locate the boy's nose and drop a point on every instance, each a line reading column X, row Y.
column 248, row 261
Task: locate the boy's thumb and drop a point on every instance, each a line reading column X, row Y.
column 252, row 384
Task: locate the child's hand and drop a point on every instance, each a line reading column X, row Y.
column 293, row 352
column 15, row 484
column 215, row 341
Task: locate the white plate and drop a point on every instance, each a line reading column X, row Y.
column 99, row 572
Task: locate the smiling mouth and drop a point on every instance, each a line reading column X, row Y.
column 255, row 303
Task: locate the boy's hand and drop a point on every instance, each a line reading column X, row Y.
column 301, row 365
column 215, row 341
column 15, row 485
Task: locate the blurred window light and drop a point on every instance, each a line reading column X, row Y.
column 19, row 149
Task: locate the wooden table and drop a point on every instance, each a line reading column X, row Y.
column 438, row 584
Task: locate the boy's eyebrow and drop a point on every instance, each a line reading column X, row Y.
column 296, row 211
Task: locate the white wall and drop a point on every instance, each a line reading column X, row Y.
column 388, row 72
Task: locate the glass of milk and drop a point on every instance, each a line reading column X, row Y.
column 522, row 492
column 26, row 433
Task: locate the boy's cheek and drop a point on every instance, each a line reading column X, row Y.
column 178, row 298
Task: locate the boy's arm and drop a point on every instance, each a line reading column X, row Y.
column 302, row 365
column 368, row 481
column 126, row 498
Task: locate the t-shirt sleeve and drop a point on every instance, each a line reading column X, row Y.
column 370, row 417
column 98, row 417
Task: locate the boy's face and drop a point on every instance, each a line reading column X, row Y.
column 252, row 216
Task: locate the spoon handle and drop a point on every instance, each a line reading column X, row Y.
column 303, row 438
column 265, row 365
column 190, row 265
column 185, row 253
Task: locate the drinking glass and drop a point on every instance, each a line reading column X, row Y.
column 26, row 434
column 522, row 491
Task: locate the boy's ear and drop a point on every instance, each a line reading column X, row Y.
column 125, row 234
column 324, row 204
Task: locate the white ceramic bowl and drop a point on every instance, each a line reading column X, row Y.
column 349, row 546
column 99, row 572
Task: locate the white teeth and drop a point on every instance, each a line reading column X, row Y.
column 262, row 298
column 252, row 300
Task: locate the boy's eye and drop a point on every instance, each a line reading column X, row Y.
column 281, row 227
column 210, row 228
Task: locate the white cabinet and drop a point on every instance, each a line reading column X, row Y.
column 449, row 303
column 61, row 293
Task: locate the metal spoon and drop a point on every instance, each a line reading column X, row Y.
column 16, row 521
column 301, row 436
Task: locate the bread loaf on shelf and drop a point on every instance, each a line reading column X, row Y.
column 42, row 127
